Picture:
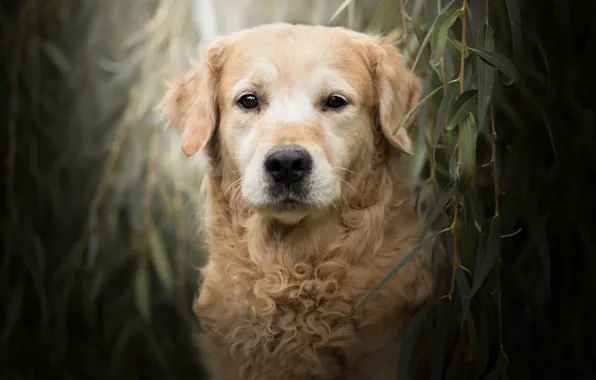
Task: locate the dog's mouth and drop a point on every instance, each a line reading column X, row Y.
column 287, row 199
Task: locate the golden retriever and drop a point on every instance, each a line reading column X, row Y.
column 306, row 202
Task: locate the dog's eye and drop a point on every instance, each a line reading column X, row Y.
column 336, row 101
column 248, row 101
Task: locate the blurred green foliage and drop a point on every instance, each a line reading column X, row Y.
column 99, row 236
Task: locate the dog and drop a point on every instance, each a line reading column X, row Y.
column 306, row 202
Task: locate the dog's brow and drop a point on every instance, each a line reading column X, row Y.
column 330, row 80
column 255, row 78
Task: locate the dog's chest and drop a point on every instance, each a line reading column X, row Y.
column 282, row 312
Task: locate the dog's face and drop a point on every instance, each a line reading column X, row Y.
column 293, row 108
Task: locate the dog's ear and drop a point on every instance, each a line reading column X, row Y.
column 190, row 102
column 397, row 91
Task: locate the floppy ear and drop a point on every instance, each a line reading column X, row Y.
column 397, row 91
column 190, row 102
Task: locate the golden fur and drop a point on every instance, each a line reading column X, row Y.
column 277, row 298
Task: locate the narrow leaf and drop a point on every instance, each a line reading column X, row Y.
column 441, row 120
column 142, row 290
column 440, row 31
column 411, row 337
column 463, row 287
column 467, row 153
column 160, row 260
column 547, row 126
column 457, row 46
column 492, row 250
column 487, row 348
column 502, row 63
column 396, row 268
column 540, row 47
column 445, row 337
column 468, row 241
column 435, row 266
column 414, row 109
column 470, row 72
column 486, row 73
column 477, row 15
column 424, row 43
column 462, row 107
column 515, row 24
column 439, row 208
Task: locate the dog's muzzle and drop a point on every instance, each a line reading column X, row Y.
column 287, row 169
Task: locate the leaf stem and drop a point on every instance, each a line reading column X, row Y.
column 405, row 28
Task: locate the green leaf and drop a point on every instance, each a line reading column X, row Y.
column 435, row 265
column 492, row 250
column 440, row 31
column 515, row 24
column 486, row 326
column 446, row 105
column 530, row 96
column 502, row 63
column 57, row 57
column 463, row 287
column 397, row 267
column 127, row 332
column 462, row 107
column 142, row 290
column 457, row 46
column 470, row 72
column 467, row 153
column 439, row 208
column 160, row 260
column 476, row 15
column 540, row 47
column 453, row 166
column 445, row 337
column 414, row 109
column 486, row 73
column 410, row 338
column 468, row 241
column 424, row 43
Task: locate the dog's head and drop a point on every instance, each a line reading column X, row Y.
column 292, row 109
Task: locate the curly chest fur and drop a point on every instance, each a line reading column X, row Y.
column 305, row 310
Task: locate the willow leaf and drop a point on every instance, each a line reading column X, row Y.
column 142, row 290
column 398, row 266
column 444, row 108
column 486, row 73
column 492, row 250
column 427, row 38
column 463, row 287
column 415, row 109
column 160, row 260
column 410, row 338
column 502, row 63
column 516, row 31
column 462, row 107
column 440, row 32
column 467, row 153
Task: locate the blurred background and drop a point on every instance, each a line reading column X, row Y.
column 100, row 240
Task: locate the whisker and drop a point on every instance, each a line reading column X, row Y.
column 345, row 170
column 347, row 183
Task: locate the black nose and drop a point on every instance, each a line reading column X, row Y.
column 288, row 164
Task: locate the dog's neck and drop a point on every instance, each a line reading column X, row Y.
column 375, row 200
